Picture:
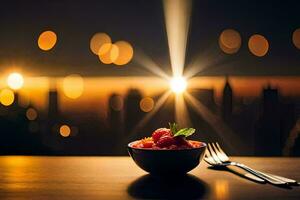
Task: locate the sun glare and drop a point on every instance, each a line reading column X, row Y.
column 178, row 84
column 15, row 81
column 156, row 107
column 177, row 19
column 182, row 116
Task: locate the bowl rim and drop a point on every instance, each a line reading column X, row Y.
column 203, row 145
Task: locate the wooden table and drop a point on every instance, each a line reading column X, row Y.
column 29, row 177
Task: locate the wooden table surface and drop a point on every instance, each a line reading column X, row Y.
column 30, row 177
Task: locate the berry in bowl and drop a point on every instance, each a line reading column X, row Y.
column 167, row 151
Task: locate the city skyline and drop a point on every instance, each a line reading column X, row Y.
column 249, row 124
column 35, row 89
column 78, row 69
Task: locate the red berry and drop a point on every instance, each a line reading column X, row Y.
column 165, row 141
column 156, row 135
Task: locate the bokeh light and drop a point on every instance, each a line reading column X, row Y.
column 147, row 104
column 296, row 38
column 104, row 49
column 65, row 130
column 125, row 53
column 97, row 41
column 230, row 41
column 116, row 102
column 258, row 45
column 47, row 40
column 108, row 53
column 73, row 86
column 7, row 97
column 178, row 84
column 15, row 81
column 31, row 114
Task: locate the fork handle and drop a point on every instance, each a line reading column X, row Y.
column 261, row 175
column 284, row 179
column 291, row 181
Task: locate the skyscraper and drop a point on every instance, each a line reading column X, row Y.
column 53, row 110
column 268, row 137
column 51, row 136
column 227, row 102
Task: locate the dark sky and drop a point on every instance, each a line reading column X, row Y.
column 141, row 22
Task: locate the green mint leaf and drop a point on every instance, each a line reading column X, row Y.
column 185, row 132
column 173, row 127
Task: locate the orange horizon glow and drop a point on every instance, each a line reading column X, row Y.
column 97, row 91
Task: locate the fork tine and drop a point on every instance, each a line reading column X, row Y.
column 208, row 158
column 212, row 152
column 208, row 155
column 220, row 149
column 219, row 154
column 209, row 161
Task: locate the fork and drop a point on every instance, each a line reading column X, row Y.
column 215, row 156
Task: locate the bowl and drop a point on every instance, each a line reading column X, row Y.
column 167, row 162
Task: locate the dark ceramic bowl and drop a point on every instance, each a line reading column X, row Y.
column 167, row 162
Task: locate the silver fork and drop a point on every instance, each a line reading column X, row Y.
column 215, row 156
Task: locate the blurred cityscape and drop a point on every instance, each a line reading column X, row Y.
column 70, row 85
column 268, row 125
